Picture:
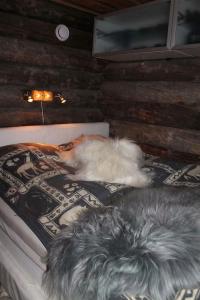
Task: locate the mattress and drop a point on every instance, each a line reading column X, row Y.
column 21, row 234
column 21, row 256
column 19, row 273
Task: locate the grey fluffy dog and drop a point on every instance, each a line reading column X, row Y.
column 146, row 244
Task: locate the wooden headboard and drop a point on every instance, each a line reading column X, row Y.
column 50, row 134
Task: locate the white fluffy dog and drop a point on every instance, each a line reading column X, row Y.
column 98, row 158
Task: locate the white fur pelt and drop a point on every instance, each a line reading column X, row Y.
column 105, row 159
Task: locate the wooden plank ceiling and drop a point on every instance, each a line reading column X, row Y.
column 97, row 7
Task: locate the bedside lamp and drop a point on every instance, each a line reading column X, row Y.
column 43, row 96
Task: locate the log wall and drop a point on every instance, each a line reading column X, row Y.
column 156, row 103
column 32, row 57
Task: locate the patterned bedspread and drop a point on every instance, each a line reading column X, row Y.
column 34, row 183
column 182, row 295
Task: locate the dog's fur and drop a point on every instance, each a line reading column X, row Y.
column 149, row 245
column 98, row 158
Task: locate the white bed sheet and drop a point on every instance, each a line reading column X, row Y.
column 20, row 233
column 25, row 274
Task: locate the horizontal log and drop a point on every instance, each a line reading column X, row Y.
column 63, row 114
column 12, row 96
column 82, row 98
column 170, row 138
column 100, row 7
column 49, row 11
column 42, row 54
column 68, row 114
column 36, row 76
column 184, row 93
column 20, row 118
column 33, row 29
column 169, row 154
column 153, row 113
column 164, row 70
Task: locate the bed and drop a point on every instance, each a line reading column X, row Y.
column 21, row 251
column 37, row 199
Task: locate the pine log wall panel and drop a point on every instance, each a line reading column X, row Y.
column 32, row 57
column 47, row 11
column 23, row 27
column 156, row 103
column 161, row 136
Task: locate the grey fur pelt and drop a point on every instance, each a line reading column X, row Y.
column 148, row 244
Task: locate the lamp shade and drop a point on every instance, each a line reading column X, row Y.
column 42, row 95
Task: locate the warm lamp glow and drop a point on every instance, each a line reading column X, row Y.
column 43, row 96
column 38, row 95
